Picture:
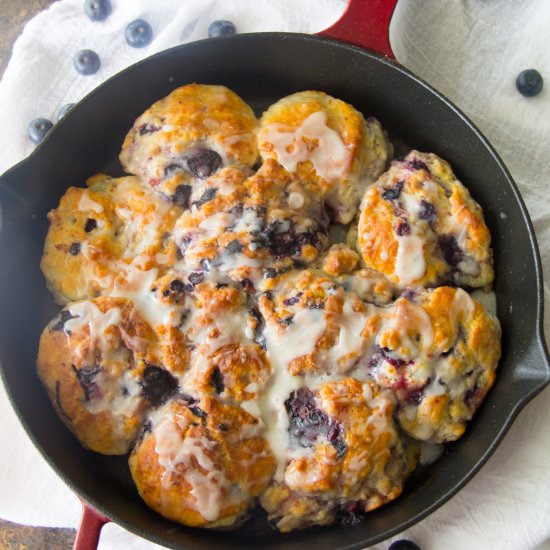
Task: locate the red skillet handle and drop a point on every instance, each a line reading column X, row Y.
column 91, row 522
column 365, row 23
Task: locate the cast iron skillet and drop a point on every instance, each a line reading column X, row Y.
column 263, row 68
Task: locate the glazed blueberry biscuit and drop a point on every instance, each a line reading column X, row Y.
column 438, row 351
column 97, row 363
column 226, row 358
column 244, row 228
column 345, row 456
column 320, row 138
column 420, row 227
column 314, row 326
column 201, row 463
column 99, row 231
column 188, row 136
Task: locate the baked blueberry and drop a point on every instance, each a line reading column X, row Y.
column 202, row 163
column 74, row 249
column 529, row 82
column 86, row 379
column 97, row 10
column 452, row 253
column 38, row 129
column 207, row 196
column 86, row 62
column 427, row 211
column 182, row 195
column 394, row 192
column 221, row 28
column 138, row 33
column 91, row 224
column 64, row 110
column 350, row 513
column 158, row 385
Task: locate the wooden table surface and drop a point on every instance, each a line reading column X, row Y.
column 13, row 16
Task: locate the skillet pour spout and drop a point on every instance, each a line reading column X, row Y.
column 271, row 65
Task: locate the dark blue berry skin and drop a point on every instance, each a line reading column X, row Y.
column 87, row 62
column 403, row 544
column 529, row 82
column 64, row 110
column 97, row 10
column 38, row 129
column 221, row 28
column 138, row 33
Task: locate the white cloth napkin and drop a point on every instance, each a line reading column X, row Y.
column 471, row 51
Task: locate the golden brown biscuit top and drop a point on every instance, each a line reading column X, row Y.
column 420, row 227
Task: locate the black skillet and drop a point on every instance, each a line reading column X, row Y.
column 262, row 68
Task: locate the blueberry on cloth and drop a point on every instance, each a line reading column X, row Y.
column 64, row 110
column 221, row 28
column 86, row 62
column 138, row 33
column 529, row 82
column 97, row 10
column 38, row 129
column 403, row 544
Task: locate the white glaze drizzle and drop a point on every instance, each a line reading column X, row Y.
column 86, row 203
column 313, row 140
column 88, row 314
column 174, row 449
column 410, row 264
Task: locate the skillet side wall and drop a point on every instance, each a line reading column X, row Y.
column 261, row 68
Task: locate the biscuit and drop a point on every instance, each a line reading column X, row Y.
column 201, row 463
column 420, row 227
column 187, row 137
column 326, row 140
column 97, row 232
column 438, row 351
column 345, row 457
column 97, row 363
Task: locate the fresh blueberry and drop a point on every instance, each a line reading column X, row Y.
column 138, row 33
column 38, row 129
column 64, row 110
column 97, row 10
column 403, row 544
column 529, row 82
column 221, row 28
column 86, row 62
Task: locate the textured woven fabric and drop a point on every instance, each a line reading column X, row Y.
column 471, row 51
